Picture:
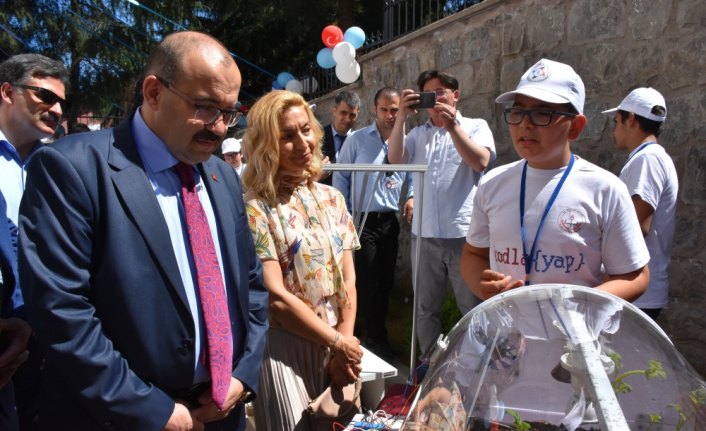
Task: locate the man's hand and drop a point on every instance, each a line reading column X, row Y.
column 14, row 334
column 408, row 210
column 407, row 98
column 447, row 114
column 209, row 412
column 493, row 282
column 181, row 420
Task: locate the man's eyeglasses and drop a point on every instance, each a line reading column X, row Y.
column 538, row 117
column 441, row 92
column 205, row 114
column 47, row 97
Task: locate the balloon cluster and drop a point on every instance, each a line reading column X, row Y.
column 286, row 81
column 340, row 52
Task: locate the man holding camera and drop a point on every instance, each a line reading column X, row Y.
column 456, row 151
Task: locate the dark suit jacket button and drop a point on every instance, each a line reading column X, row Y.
column 186, row 346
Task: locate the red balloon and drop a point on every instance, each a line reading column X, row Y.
column 331, row 35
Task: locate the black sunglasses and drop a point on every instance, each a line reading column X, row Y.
column 46, row 96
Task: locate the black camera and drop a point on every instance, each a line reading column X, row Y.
column 427, row 99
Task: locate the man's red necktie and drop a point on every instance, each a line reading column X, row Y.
column 211, row 288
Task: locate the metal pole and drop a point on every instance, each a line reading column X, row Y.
column 415, row 272
column 419, row 201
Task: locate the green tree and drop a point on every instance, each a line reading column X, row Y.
column 105, row 43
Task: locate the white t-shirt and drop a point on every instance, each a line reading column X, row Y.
column 591, row 227
column 449, row 183
column 650, row 174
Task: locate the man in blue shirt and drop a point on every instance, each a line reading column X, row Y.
column 379, row 197
column 32, row 98
column 14, row 332
column 32, row 101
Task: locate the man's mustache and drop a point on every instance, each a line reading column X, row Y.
column 206, row 135
column 49, row 117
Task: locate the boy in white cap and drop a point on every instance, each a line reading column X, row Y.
column 233, row 154
column 652, row 182
column 552, row 217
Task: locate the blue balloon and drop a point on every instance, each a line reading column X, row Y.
column 325, row 58
column 276, row 86
column 355, row 36
column 283, row 78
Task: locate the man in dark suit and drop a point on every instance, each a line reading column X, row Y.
column 115, row 281
column 345, row 111
column 14, row 332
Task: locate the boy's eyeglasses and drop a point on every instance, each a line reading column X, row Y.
column 538, row 117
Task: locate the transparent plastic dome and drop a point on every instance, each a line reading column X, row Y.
column 558, row 357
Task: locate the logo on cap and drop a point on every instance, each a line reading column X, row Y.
column 539, row 73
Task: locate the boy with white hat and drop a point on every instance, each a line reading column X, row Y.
column 233, row 154
column 552, row 217
column 652, row 182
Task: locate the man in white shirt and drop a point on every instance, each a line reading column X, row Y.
column 456, row 150
column 652, row 182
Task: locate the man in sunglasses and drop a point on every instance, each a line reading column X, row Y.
column 32, row 97
column 552, row 217
column 146, row 292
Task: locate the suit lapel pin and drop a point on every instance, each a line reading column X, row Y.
column 214, row 177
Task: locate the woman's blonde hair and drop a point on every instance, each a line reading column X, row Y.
column 261, row 143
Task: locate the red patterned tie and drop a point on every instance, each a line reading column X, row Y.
column 211, row 289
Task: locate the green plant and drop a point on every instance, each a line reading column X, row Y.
column 520, row 425
column 682, row 416
column 655, row 420
column 654, row 370
column 697, row 398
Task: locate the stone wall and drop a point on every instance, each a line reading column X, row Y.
column 614, row 45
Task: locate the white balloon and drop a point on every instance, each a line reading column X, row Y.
column 310, row 84
column 294, row 85
column 343, row 52
column 348, row 72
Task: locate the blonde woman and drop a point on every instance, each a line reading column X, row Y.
column 304, row 236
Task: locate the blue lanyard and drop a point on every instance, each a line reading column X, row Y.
column 529, row 258
column 642, row 147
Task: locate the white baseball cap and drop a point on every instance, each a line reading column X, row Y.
column 230, row 145
column 640, row 101
column 551, row 82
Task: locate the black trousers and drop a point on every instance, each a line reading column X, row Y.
column 375, row 271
